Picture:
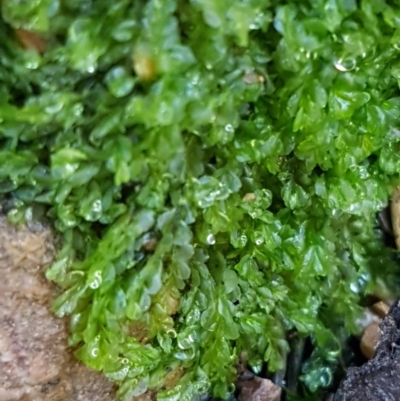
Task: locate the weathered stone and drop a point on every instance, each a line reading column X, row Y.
column 369, row 340
column 380, row 308
column 36, row 363
column 379, row 378
column 258, row 389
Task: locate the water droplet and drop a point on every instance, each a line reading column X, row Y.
column 97, row 279
column 256, row 366
column 258, row 21
column 351, row 208
column 344, row 65
column 229, row 128
column 186, row 355
column 335, row 212
column 94, row 285
column 32, row 64
column 95, row 352
column 90, row 69
column 237, row 240
column 186, row 342
column 209, row 199
column 210, row 239
column 355, row 287
column 259, row 241
column 95, row 211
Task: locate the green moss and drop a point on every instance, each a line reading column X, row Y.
column 214, row 168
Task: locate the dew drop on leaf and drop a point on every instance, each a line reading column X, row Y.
column 229, row 128
column 210, row 240
column 259, row 241
column 344, row 65
column 96, row 280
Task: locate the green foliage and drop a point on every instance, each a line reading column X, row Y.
column 213, row 168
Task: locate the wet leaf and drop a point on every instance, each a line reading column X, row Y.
column 213, row 170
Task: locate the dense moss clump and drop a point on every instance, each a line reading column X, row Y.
column 213, row 168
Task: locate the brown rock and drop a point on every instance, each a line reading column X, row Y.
column 258, row 389
column 369, row 340
column 380, row 308
column 35, row 361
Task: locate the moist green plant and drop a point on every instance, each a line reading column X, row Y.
column 213, row 168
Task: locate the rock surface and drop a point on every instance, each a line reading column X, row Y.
column 258, row 389
column 35, row 361
column 379, row 378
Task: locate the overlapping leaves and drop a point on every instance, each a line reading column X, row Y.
column 213, row 168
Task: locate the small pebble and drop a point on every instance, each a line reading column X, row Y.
column 380, row 308
column 259, row 389
column 369, row 340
